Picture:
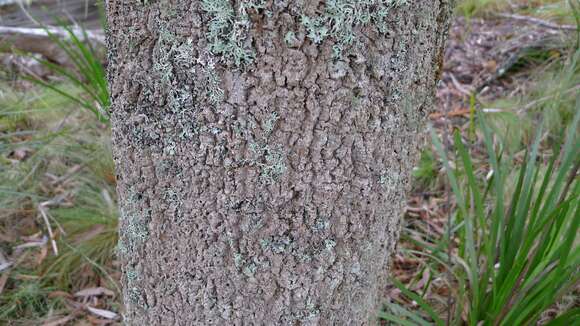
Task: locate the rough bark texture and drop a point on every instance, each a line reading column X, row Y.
column 268, row 191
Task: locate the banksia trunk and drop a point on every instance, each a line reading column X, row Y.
column 263, row 151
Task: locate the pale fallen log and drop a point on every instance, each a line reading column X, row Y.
column 37, row 40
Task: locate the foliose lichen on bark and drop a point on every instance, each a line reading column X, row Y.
column 228, row 29
column 341, row 18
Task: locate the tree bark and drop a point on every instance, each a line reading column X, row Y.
column 263, row 153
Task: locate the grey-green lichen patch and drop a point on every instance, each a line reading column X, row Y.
column 389, row 179
column 290, row 38
column 264, row 243
column 214, row 91
column 250, row 269
column 166, row 47
column 310, row 312
column 135, row 230
column 341, row 19
column 329, row 244
column 238, row 260
column 180, row 98
column 270, row 123
column 132, row 293
column 271, row 161
column 321, row 224
column 228, row 29
column 280, row 244
column 175, row 57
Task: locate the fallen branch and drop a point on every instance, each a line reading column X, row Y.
column 38, row 40
column 538, row 21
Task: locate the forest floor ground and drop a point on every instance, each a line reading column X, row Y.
column 58, row 211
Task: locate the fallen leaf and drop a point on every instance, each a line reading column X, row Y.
column 97, row 291
column 20, row 154
column 58, row 322
column 3, row 280
column 98, row 321
column 103, row 313
column 42, row 255
column 59, row 294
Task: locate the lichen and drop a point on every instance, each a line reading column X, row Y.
column 228, row 29
column 280, row 244
column 341, row 19
column 250, row 269
column 389, row 179
column 290, row 38
column 270, row 123
column 132, row 293
column 272, row 162
column 238, row 260
column 329, row 244
column 264, row 243
column 321, row 224
column 131, row 275
column 136, row 230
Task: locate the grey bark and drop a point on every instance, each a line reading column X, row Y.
column 268, row 193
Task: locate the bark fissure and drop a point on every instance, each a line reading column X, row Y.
column 270, row 193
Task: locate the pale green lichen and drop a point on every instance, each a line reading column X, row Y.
column 250, row 270
column 135, row 229
column 290, row 38
column 329, row 244
column 214, row 91
column 280, row 244
column 390, row 179
column 312, row 310
column 270, row 123
column 271, row 161
column 321, row 224
column 133, row 294
column 180, row 98
column 121, row 248
column 264, row 243
column 131, row 275
column 238, row 260
column 175, row 55
column 341, row 19
column 162, row 60
column 228, row 29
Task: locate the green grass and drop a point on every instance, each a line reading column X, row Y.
column 509, row 254
column 427, row 171
column 559, row 11
column 470, row 8
column 86, row 72
column 28, row 302
column 67, row 154
column 550, row 97
column 517, row 249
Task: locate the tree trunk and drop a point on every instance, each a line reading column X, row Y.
column 263, row 152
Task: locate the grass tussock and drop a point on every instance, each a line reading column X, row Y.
column 54, row 159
